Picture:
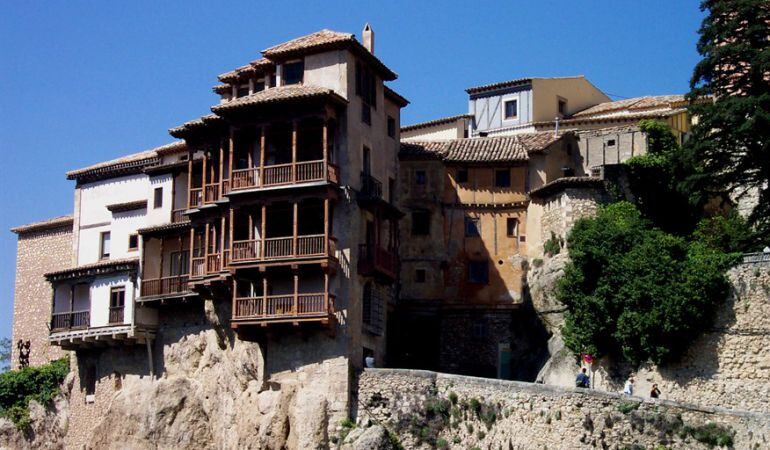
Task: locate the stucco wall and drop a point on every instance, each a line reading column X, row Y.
column 442, row 131
column 37, row 253
column 579, row 93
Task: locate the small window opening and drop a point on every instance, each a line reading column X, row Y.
column 502, row 178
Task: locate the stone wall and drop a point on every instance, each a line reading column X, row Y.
column 419, row 408
column 727, row 366
column 39, row 251
column 561, row 211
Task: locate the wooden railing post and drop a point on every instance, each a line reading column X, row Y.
column 296, row 292
column 325, row 146
column 294, row 232
column 262, row 139
column 263, row 230
column 264, row 296
column 189, row 178
column 294, row 126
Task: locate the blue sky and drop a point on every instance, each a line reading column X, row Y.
column 83, row 82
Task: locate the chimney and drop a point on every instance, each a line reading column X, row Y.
column 368, row 37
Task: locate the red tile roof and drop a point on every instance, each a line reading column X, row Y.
column 631, row 105
column 567, row 182
column 275, row 95
column 133, row 163
column 480, row 150
column 48, row 224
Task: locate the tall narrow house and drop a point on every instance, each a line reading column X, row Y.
column 271, row 220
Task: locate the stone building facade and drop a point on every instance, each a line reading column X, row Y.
column 42, row 247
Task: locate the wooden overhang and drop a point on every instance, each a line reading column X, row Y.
column 165, row 229
column 101, row 268
column 127, row 206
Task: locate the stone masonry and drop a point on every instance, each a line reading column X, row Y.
column 485, row 413
column 42, row 247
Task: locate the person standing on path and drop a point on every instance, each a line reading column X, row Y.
column 628, row 389
column 654, row 392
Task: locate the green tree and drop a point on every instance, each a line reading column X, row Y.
column 636, row 292
column 5, row 354
column 730, row 144
column 655, row 181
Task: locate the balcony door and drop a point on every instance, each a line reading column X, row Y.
column 180, row 263
column 117, row 304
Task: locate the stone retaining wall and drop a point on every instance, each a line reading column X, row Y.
column 488, row 413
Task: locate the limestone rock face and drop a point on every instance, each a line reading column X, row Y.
column 542, row 282
column 371, row 438
column 47, row 427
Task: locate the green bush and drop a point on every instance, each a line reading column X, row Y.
column 627, row 407
column 553, row 245
column 442, row 443
column 453, row 398
column 18, row 387
column 711, row 434
column 637, row 292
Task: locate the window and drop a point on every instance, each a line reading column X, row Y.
column 293, row 72
column 420, row 223
column 117, row 304
column 133, row 242
column 503, row 178
column 420, row 177
column 478, row 272
column 391, row 190
column 367, row 161
column 366, row 88
column 419, row 276
column 562, row 106
column 512, row 227
column 611, row 143
column 180, row 263
column 511, row 109
column 104, row 245
column 158, row 198
column 472, row 227
column 462, row 175
column 259, row 85
column 243, row 90
column 391, row 127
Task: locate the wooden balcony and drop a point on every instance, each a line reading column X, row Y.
column 284, row 175
column 116, row 315
column 70, row 320
column 174, row 285
column 178, row 216
column 371, row 188
column 376, row 261
column 291, row 308
column 282, row 248
column 195, row 198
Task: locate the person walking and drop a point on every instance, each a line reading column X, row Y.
column 654, row 392
column 582, row 380
column 628, row 389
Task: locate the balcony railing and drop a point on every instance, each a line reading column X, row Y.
column 177, row 216
column 283, row 306
column 282, row 248
column 164, row 286
column 116, row 314
column 373, row 259
column 213, row 263
column 196, row 197
column 211, row 193
column 284, row 174
column 198, row 268
column 70, row 320
column 371, row 188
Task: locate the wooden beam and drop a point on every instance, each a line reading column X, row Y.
column 294, row 126
column 189, row 177
column 230, row 156
column 263, row 230
column 296, row 292
column 325, row 146
column 192, row 250
column 295, row 229
column 262, row 139
column 326, row 224
column 264, row 296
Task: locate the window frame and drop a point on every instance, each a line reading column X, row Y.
column 559, row 102
column 507, row 171
column 464, row 178
column 420, row 177
column 285, row 65
column 157, row 198
column 421, row 230
column 472, row 227
column 102, row 240
column 477, row 271
column 132, row 237
column 420, row 276
column 515, row 221
column 504, row 112
column 391, row 127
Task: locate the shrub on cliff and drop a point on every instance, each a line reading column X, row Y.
column 18, row 387
column 636, row 292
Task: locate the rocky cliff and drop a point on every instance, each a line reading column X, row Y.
column 728, row 366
